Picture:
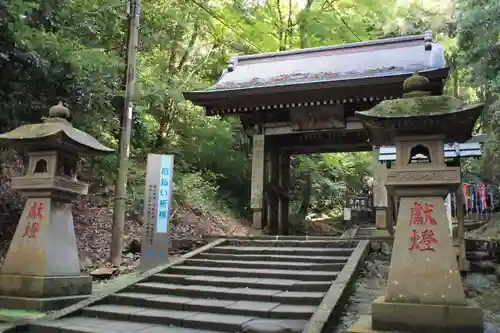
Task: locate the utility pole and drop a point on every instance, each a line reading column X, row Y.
column 134, row 9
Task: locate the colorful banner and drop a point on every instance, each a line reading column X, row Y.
column 479, row 197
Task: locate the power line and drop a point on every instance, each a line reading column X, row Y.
column 209, row 12
column 343, row 21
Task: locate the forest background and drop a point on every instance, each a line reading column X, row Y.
column 73, row 50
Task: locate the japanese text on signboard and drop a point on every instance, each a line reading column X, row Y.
column 359, row 203
column 151, row 212
column 164, row 196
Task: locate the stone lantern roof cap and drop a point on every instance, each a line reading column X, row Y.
column 56, row 132
column 419, row 114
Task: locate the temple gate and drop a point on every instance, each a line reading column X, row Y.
column 304, row 101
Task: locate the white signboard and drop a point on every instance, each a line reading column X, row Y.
column 347, row 214
column 157, row 204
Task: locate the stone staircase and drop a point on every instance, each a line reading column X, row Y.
column 365, row 232
column 239, row 286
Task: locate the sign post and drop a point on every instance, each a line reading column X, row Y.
column 347, row 214
column 157, row 203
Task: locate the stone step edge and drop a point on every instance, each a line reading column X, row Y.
column 273, row 237
column 39, row 328
column 219, row 322
column 259, row 257
column 343, row 243
column 250, row 272
column 236, row 294
column 272, row 310
column 283, row 249
column 219, row 281
column 99, row 326
column 263, row 264
column 277, row 250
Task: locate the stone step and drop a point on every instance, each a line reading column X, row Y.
column 205, row 291
column 241, row 282
column 83, row 324
column 258, row 273
column 366, row 232
column 236, row 294
column 243, row 286
column 186, row 319
column 243, row 308
column 288, row 265
column 303, row 251
column 275, row 257
column 293, row 243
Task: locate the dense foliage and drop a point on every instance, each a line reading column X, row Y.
column 478, row 54
column 72, row 50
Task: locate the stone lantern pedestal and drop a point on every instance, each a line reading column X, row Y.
column 424, row 290
column 41, row 270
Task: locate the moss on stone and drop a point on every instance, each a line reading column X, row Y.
column 416, row 106
column 416, row 82
column 51, row 127
column 20, row 313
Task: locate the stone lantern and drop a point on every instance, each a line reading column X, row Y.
column 41, row 270
column 424, row 289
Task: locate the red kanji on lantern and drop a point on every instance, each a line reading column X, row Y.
column 31, row 230
column 36, row 211
column 421, row 214
column 423, row 241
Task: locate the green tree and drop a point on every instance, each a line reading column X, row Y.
column 72, row 50
column 479, row 44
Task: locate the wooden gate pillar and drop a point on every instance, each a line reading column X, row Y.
column 272, row 189
column 284, row 199
column 380, row 201
column 257, row 186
